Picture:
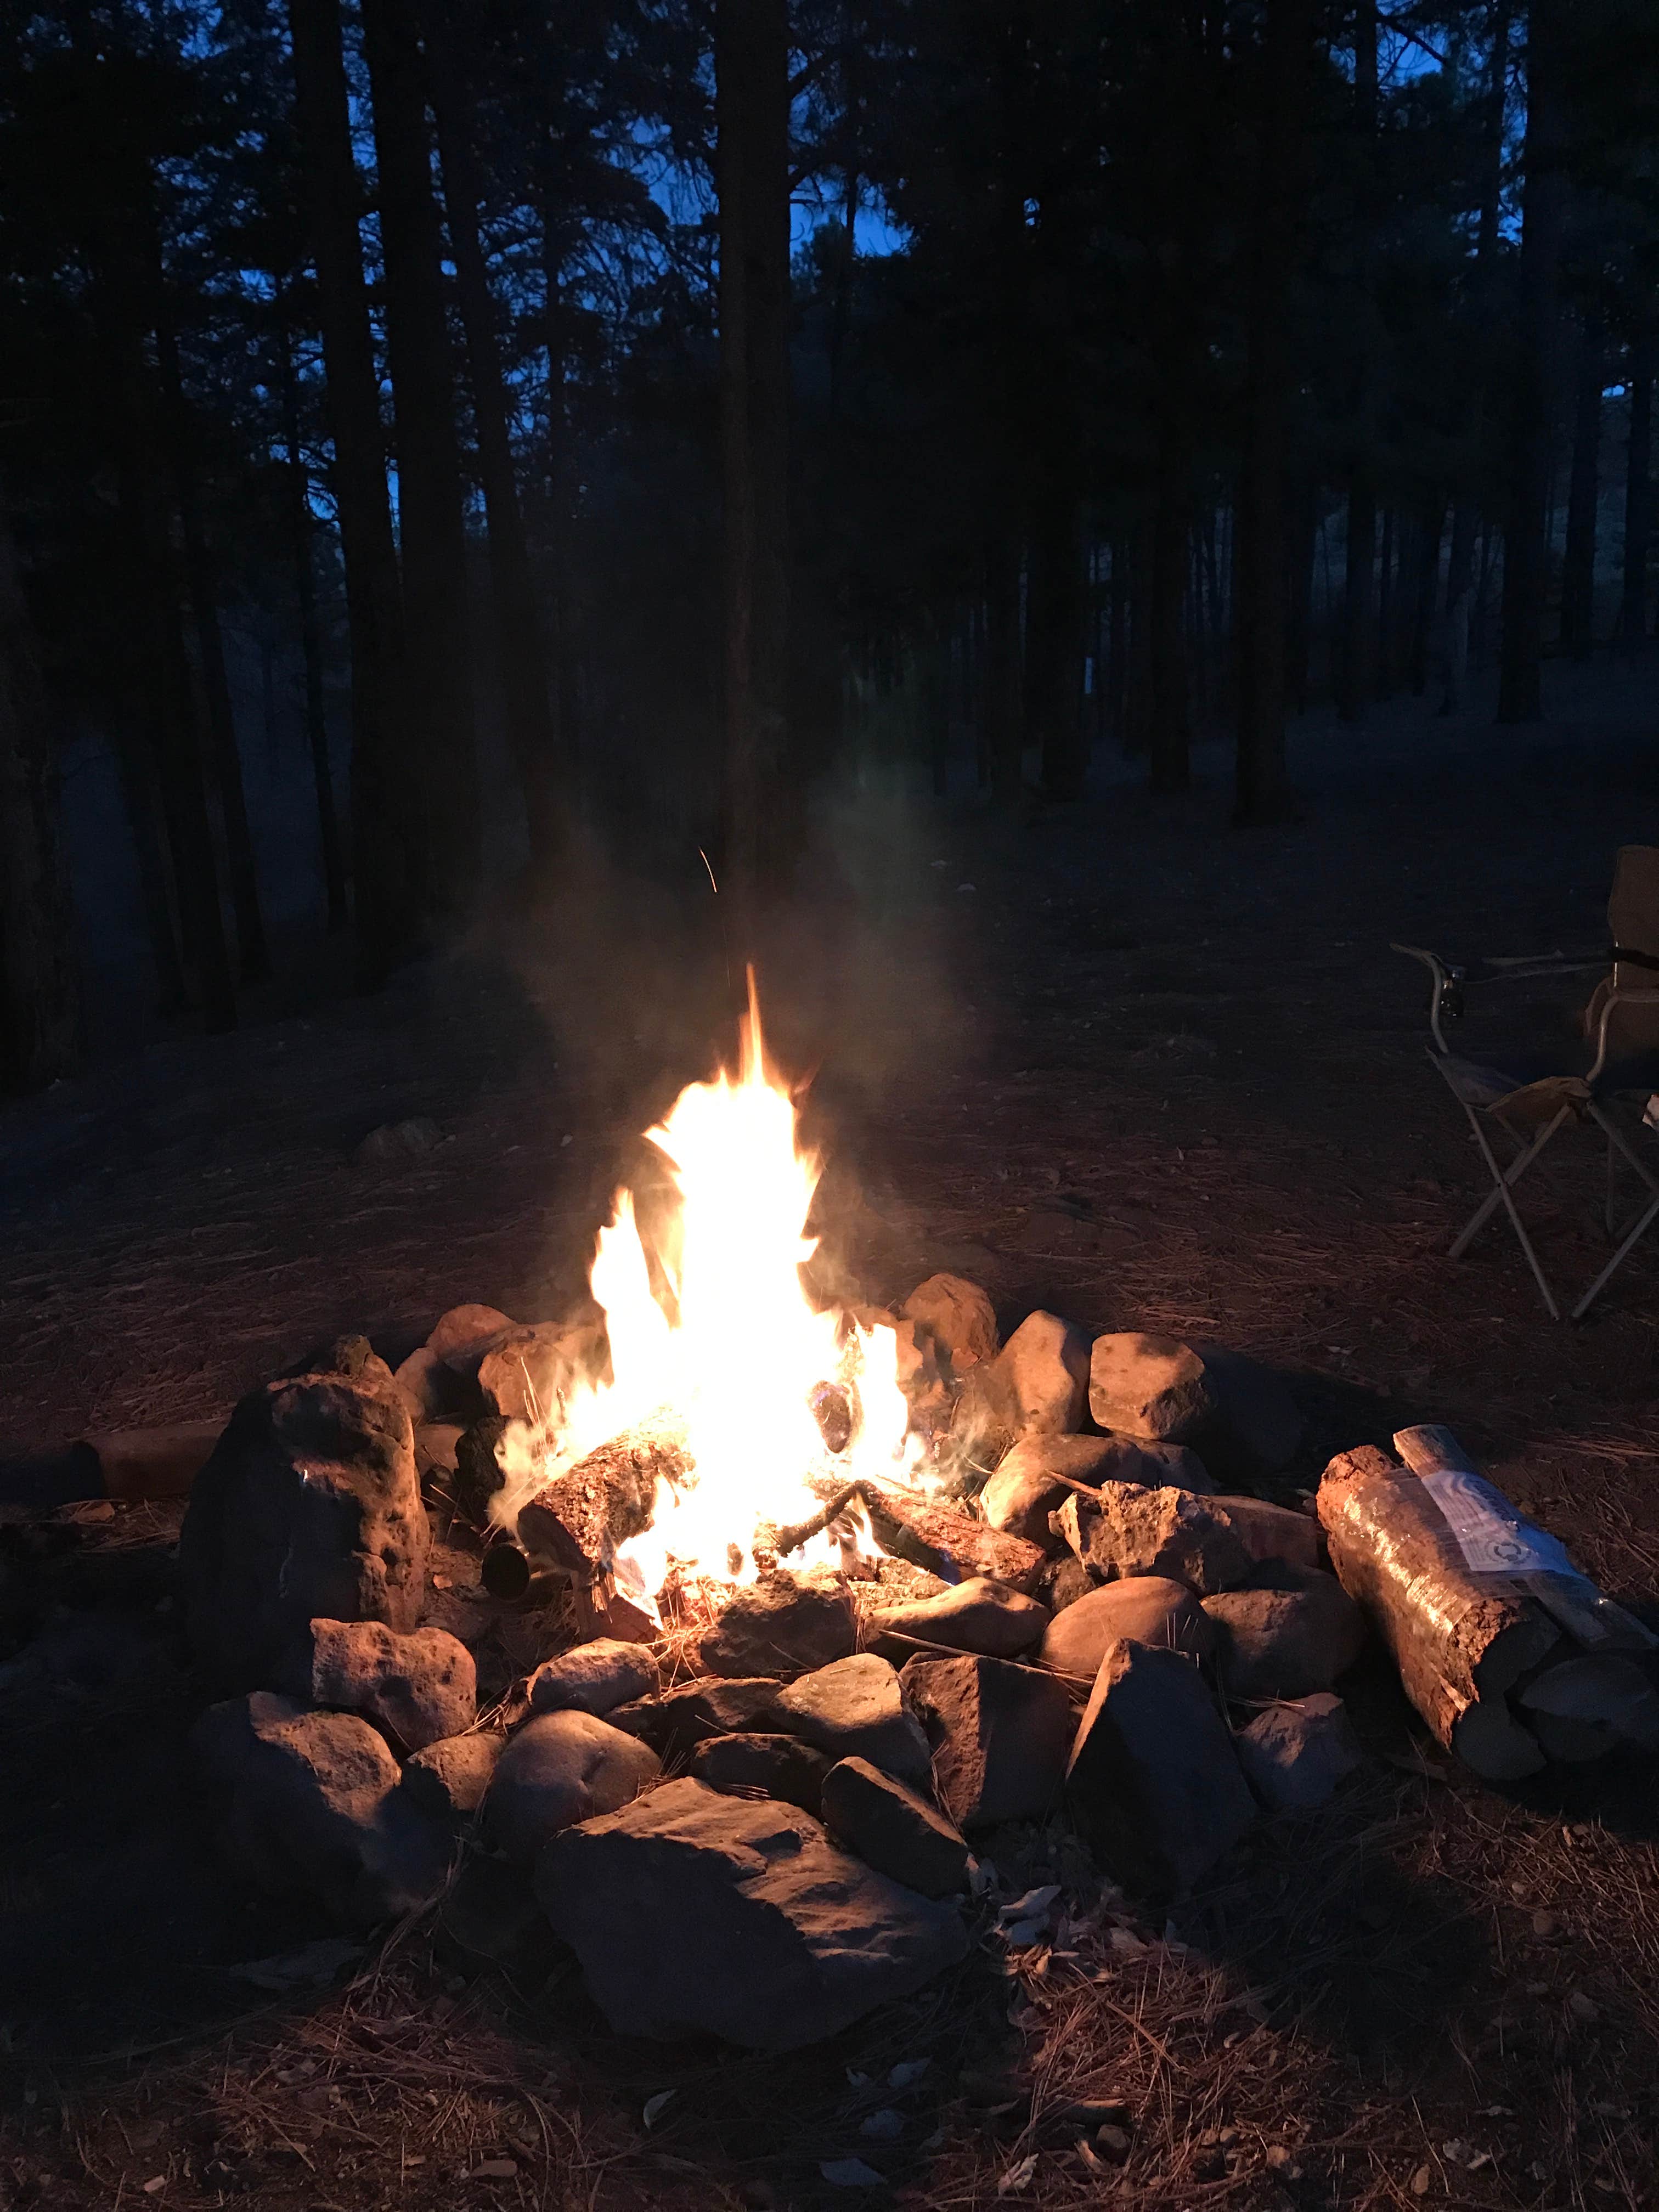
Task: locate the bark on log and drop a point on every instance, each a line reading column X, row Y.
column 1462, row 1640
column 950, row 1543
column 580, row 1519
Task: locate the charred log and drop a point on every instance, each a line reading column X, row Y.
column 580, row 1519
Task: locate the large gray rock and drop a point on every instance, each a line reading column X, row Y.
column 461, row 1337
column 594, row 1677
column 854, row 1708
column 895, row 1829
column 1145, row 1609
column 1274, row 1534
column 416, row 1688
column 311, row 1802
column 684, row 1715
column 1172, row 1533
column 1153, row 1781
column 434, row 1392
column 561, row 1768
column 776, row 1766
column 309, row 1509
column 1294, row 1755
column 1025, row 1487
column 694, row 1913
column 977, row 1615
column 1039, row 1381
column 528, row 1373
column 779, row 1624
column 1236, row 1414
column 959, row 1317
column 1285, row 1643
column 1000, row 1734
column 451, row 1779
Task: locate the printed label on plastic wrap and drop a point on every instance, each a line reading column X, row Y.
column 1491, row 1534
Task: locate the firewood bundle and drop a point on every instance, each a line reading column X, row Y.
column 1509, row 1653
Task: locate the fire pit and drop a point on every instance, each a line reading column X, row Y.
column 821, row 1598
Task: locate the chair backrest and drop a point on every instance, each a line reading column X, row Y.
column 1633, row 921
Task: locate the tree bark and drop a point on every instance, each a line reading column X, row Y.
column 39, row 976
column 1526, row 553
column 311, row 642
column 388, row 819
column 1584, row 497
column 1263, row 779
column 1359, row 585
column 1428, row 581
column 521, row 648
column 751, row 70
column 254, row 959
column 432, row 529
column 1054, row 684
column 1639, row 492
column 135, row 768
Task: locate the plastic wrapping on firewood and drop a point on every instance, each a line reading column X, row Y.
column 1473, row 1601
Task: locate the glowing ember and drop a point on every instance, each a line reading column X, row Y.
column 733, row 1348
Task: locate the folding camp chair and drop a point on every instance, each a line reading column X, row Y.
column 1531, row 1092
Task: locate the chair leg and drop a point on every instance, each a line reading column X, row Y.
column 1643, row 1222
column 1509, row 1176
column 1503, row 1194
column 1616, row 1140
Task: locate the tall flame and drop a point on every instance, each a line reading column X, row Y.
column 738, row 1348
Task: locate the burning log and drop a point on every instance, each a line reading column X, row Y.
column 949, row 1543
column 579, row 1520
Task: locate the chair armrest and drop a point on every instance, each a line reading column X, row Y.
column 1614, row 998
column 1445, row 977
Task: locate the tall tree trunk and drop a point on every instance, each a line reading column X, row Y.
column 1263, row 781
column 388, row 820
column 1465, row 518
column 1428, row 582
column 1010, row 378
column 1385, row 609
column 201, row 582
column 1054, row 664
column 1117, row 644
column 1584, row 497
column 1526, row 571
column 432, row 528
column 1360, row 589
column 521, row 648
column 1303, row 550
column 311, row 642
column 135, row 768
column 1005, row 704
column 1639, row 491
column 39, row 976
column 752, row 72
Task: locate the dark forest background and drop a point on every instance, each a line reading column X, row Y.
column 439, row 442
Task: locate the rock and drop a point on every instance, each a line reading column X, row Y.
column 959, row 1317
column 854, row 1708
column 1025, row 1487
column 1285, row 1643
column 558, row 1769
column 529, row 1373
column 1145, row 1609
column 463, row 1335
column 779, row 1624
column 777, row 1766
column 416, row 1688
column 1000, row 1734
column 684, row 1715
column 489, row 1918
column 694, row 1913
column 311, row 1802
column 1066, row 1582
column 435, row 1446
column 1294, row 1754
column 352, row 1356
column 394, row 1142
column 1274, row 1533
column 1153, row 1781
column 433, row 1391
column 1040, row 1378
column 894, row 1829
column 1172, row 1533
column 592, row 1677
column 1232, row 1412
column 977, row 1615
column 449, row 1779
column 309, row 1509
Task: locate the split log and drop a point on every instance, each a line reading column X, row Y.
column 580, row 1519
column 1462, row 1640
column 949, row 1543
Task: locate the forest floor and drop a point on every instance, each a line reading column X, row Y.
column 1119, row 1060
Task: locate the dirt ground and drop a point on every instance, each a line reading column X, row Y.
column 1118, row 1059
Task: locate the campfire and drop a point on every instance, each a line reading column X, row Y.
column 812, row 1605
column 751, row 1406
